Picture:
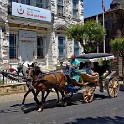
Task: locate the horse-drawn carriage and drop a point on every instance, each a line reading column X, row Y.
column 67, row 85
column 110, row 82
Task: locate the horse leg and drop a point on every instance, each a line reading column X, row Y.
column 64, row 100
column 57, row 92
column 22, row 106
column 48, row 91
column 35, row 96
column 43, row 101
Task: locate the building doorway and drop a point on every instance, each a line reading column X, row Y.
column 26, row 52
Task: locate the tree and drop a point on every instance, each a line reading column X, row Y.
column 118, row 45
column 90, row 34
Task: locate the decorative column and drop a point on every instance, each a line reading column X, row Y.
column 5, row 33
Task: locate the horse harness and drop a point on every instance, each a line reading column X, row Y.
column 41, row 80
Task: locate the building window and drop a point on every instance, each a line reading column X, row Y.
column 60, row 1
column 61, row 46
column 60, row 7
column 75, row 14
column 10, row 1
column 47, row 3
column 75, row 8
column 76, row 48
column 12, row 46
column 27, row 2
column 39, row 3
column 41, row 46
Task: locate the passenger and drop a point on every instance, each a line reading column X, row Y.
column 90, row 75
column 96, row 67
column 105, row 69
column 82, row 64
column 88, row 69
column 73, row 66
column 104, row 72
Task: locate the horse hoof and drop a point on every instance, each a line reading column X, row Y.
column 40, row 110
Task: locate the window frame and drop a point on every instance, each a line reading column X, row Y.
column 39, row 3
column 76, row 47
column 75, row 9
column 13, row 47
column 25, row 2
column 42, row 46
column 60, row 4
column 62, row 46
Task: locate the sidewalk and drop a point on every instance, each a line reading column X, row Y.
column 19, row 96
column 14, row 97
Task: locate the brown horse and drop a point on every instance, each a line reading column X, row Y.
column 53, row 80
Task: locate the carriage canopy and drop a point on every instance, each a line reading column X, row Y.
column 95, row 57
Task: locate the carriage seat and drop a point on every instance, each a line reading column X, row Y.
column 88, row 78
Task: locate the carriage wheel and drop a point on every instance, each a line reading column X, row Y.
column 88, row 94
column 113, row 88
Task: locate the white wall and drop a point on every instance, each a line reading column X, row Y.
column 64, row 21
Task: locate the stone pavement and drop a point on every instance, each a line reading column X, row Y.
column 19, row 96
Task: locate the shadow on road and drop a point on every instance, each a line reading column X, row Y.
column 122, row 88
column 75, row 100
column 99, row 120
column 11, row 109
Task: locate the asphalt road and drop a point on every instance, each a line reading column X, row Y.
column 102, row 110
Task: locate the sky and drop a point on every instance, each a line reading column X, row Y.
column 93, row 7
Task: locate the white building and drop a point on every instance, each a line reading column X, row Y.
column 34, row 30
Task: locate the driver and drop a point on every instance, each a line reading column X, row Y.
column 73, row 66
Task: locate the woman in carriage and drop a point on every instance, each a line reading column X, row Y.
column 87, row 74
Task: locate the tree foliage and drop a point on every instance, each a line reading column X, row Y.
column 90, row 34
column 118, row 45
